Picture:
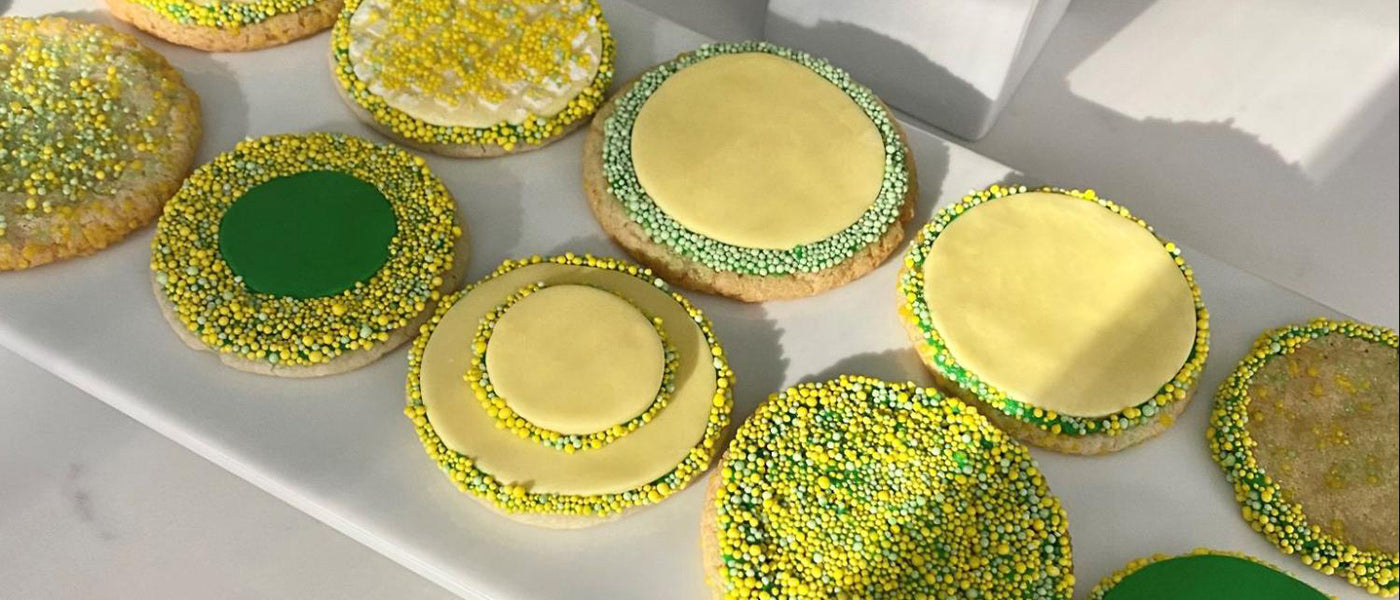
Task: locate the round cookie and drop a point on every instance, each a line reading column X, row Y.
column 1305, row 429
column 484, row 79
column 857, row 488
column 566, row 391
column 751, row 171
column 306, row 255
column 96, row 132
column 227, row 25
column 1202, row 575
column 1059, row 314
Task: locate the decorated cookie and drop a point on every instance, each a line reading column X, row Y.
column 566, row 391
column 1059, row 314
column 752, row 171
column 857, row 488
column 96, row 132
column 227, row 25
column 1202, row 575
column 306, row 255
column 469, row 78
column 1305, row 430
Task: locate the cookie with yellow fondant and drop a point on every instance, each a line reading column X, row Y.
column 468, row 78
column 227, row 25
column 858, row 488
column 752, row 171
column 1065, row 318
column 304, row 255
column 1305, row 429
column 566, row 391
column 96, row 132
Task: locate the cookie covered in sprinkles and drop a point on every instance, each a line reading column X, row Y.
column 1305, row 430
column 472, row 78
column 752, row 171
column 567, row 391
column 1063, row 316
column 306, row 254
column 227, row 25
column 858, row 488
column 96, row 133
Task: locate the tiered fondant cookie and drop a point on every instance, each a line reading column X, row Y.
column 752, row 171
column 306, row 255
column 1202, row 575
column 227, row 25
column 856, row 488
column 1061, row 315
column 96, row 132
column 565, row 391
column 469, row 77
column 1305, row 429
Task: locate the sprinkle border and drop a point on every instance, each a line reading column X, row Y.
column 661, row 228
column 1262, row 500
column 512, row 498
column 914, row 310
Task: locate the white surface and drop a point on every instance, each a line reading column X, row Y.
column 340, row 449
column 953, row 64
column 96, row 506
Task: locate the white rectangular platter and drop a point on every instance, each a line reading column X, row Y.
column 340, row 449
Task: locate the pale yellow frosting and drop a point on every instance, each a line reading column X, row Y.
column 369, row 28
column 625, row 464
column 1060, row 303
column 757, row 151
column 575, row 359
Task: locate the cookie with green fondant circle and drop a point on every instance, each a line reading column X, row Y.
column 752, row 171
column 469, row 79
column 96, row 132
column 567, row 391
column 858, row 488
column 1065, row 318
column 1305, row 430
column 306, row 255
column 227, row 25
column 1202, row 575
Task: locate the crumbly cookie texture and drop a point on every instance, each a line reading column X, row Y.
column 212, row 309
column 858, row 488
column 507, row 49
column 96, row 132
column 226, row 25
column 1304, row 430
column 1034, row 425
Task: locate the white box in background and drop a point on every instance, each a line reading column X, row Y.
column 953, row 64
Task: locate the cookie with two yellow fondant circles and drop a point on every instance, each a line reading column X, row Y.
column 1202, row 575
column 306, row 255
column 1065, row 318
column 566, row 391
column 473, row 78
column 752, row 171
column 96, row 132
column 227, row 25
column 858, row 488
column 1305, row 429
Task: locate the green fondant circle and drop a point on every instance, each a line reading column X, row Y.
column 1210, row 577
column 307, row 235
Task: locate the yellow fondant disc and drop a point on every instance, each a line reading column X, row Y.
column 627, row 463
column 1060, row 303
column 575, row 359
column 757, row 151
